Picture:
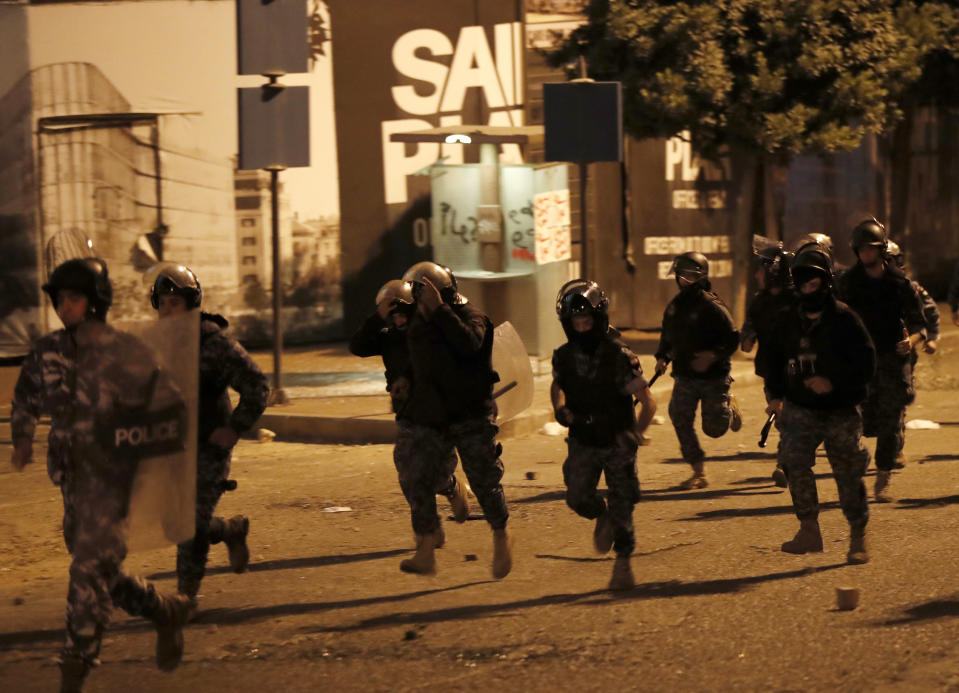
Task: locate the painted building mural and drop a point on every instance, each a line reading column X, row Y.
column 118, row 122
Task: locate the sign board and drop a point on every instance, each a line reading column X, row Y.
column 274, row 127
column 583, row 121
column 403, row 67
column 271, row 36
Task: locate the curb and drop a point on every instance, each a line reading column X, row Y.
column 313, row 428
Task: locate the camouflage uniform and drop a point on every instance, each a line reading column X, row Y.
column 451, row 404
column 223, row 363
column 76, row 376
column 377, row 338
column 598, row 389
column 698, row 320
column 837, row 347
column 802, row 430
column 687, row 394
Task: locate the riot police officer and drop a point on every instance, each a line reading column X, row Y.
column 819, row 364
column 698, row 337
column 595, row 380
column 930, row 312
column 885, row 300
column 223, row 364
column 71, row 375
column 383, row 334
column 451, row 403
column 762, row 313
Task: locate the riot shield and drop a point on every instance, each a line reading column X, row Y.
column 514, row 391
column 68, row 244
column 162, row 502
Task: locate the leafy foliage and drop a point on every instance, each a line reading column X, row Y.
column 771, row 76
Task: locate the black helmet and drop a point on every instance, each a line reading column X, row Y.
column 439, row 275
column 811, row 262
column 812, row 239
column 869, row 232
column 692, row 265
column 179, row 280
column 582, row 297
column 894, row 253
column 89, row 277
column 565, row 288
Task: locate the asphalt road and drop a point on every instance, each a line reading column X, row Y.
column 717, row 605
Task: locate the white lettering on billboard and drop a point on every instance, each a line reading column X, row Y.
column 674, row 245
column 684, row 166
column 496, row 71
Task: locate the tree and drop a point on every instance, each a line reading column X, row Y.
column 934, row 28
column 757, row 80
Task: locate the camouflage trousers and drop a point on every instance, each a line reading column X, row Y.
column 212, row 471
column 581, row 472
column 884, row 410
column 94, row 530
column 840, row 431
column 444, row 455
column 425, row 462
column 687, row 394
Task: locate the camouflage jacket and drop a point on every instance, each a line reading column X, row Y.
column 224, row 363
column 76, row 376
column 930, row 312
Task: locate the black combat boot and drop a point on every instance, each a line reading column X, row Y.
column 189, row 587
column 169, row 615
column 73, row 672
column 622, row 577
column 234, row 536
column 502, row 553
column 603, row 534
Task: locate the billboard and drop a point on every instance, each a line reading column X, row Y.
column 120, row 122
column 433, row 63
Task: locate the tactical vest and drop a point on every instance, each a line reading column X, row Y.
column 600, row 409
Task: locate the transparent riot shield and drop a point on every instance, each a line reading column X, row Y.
column 514, row 391
column 68, row 244
column 162, row 503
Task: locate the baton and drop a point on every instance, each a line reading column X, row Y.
column 765, row 432
column 656, row 376
column 503, row 390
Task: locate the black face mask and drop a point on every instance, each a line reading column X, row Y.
column 814, row 302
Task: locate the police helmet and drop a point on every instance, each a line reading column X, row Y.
column 869, row 232
column 440, row 276
column 813, row 239
column 812, row 262
column 179, row 280
column 894, row 253
column 775, row 262
column 581, row 297
column 89, row 277
column 564, row 289
column 397, row 292
column 692, row 265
